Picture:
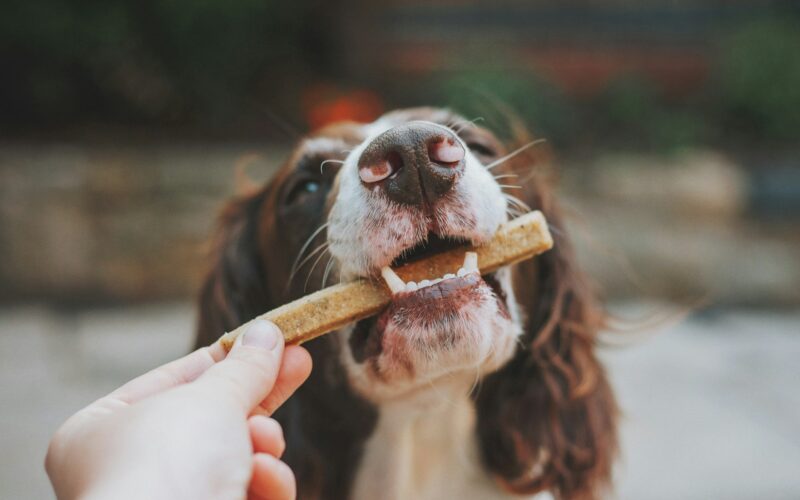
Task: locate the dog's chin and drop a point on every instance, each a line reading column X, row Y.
column 459, row 328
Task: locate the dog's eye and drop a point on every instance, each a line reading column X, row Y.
column 302, row 189
column 481, row 149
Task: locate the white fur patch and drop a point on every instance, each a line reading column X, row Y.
column 367, row 230
column 323, row 145
column 424, row 446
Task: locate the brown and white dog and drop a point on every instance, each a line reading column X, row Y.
column 468, row 387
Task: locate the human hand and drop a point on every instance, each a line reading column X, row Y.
column 197, row 428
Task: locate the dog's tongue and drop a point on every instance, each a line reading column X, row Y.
column 398, row 286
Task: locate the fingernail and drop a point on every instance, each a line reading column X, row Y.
column 261, row 333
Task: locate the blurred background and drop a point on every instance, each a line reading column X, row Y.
column 674, row 127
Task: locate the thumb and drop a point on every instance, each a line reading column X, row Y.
column 249, row 371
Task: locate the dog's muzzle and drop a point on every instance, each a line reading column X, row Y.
column 414, row 164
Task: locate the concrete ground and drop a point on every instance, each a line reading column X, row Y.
column 711, row 407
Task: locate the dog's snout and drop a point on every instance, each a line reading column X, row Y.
column 414, row 163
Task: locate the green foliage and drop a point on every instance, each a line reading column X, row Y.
column 631, row 108
column 205, row 54
column 217, row 48
column 191, row 61
column 759, row 78
column 629, row 103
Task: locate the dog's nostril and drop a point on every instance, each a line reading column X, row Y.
column 446, row 151
column 376, row 172
column 413, row 163
column 395, row 161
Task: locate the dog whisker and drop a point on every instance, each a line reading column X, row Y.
column 305, row 247
column 516, row 201
column 476, row 386
column 503, row 176
column 477, row 381
column 514, row 153
column 328, row 268
column 466, row 124
column 510, row 186
column 513, row 200
column 308, row 257
column 322, row 164
column 311, row 271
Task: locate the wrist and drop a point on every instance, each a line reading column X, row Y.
column 130, row 486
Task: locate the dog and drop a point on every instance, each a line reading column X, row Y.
column 465, row 387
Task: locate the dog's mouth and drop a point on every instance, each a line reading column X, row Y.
column 423, row 313
column 436, row 289
column 439, row 298
column 431, row 245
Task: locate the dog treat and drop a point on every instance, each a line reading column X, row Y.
column 336, row 306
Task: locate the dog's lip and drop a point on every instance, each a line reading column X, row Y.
column 398, row 286
column 447, row 291
column 439, row 291
column 436, row 303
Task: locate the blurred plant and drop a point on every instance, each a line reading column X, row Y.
column 218, row 49
column 759, row 78
column 491, row 94
column 145, row 59
column 632, row 113
column 45, row 45
column 626, row 107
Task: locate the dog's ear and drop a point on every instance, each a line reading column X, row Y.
column 546, row 420
column 235, row 289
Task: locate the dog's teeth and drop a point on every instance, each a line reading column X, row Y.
column 449, row 276
column 411, row 286
column 462, row 272
column 395, row 283
column 424, row 283
column 471, row 261
column 437, row 280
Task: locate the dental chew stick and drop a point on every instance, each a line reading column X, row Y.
column 339, row 305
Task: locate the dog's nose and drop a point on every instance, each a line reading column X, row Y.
column 413, row 163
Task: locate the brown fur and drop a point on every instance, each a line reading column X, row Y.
column 549, row 405
column 552, row 399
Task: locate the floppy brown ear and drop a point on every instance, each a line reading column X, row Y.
column 235, row 289
column 546, row 420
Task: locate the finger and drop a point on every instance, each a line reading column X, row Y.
column 272, row 479
column 267, row 435
column 295, row 369
column 248, row 374
column 174, row 373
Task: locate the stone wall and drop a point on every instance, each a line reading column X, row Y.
column 682, row 228
column 112, row 223
column 101, row 223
